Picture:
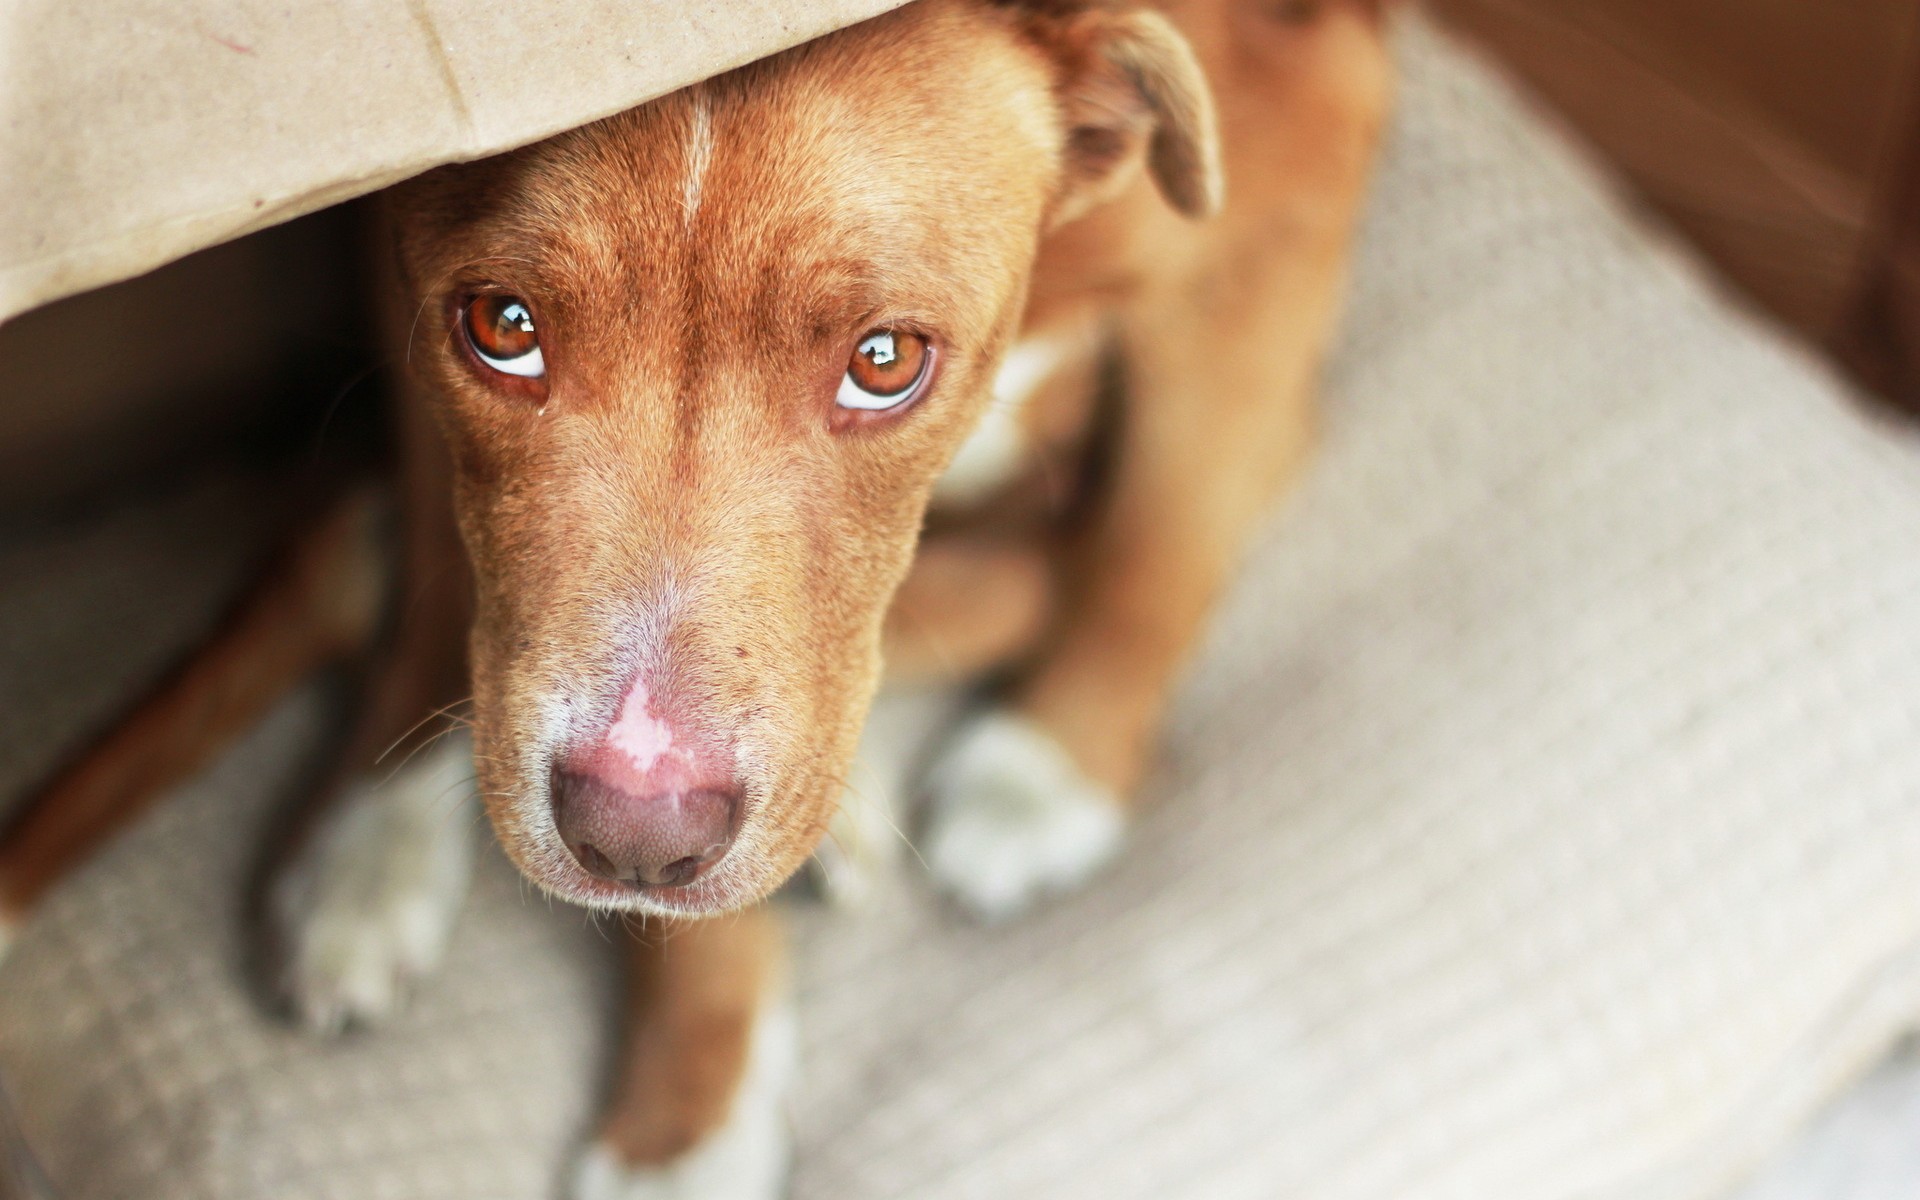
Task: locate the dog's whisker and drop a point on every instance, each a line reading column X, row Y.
column 436, row 714
column 427, row 297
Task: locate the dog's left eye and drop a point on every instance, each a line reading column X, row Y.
column 500, row 330
column 886, row 370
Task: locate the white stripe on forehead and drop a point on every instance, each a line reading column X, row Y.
column 699, row 150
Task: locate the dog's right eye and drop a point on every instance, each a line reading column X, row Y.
column 500, row 330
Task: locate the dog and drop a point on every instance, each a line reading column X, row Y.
column 973, row 339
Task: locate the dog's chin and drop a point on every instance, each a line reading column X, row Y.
column 712, row 895
column 730, row 885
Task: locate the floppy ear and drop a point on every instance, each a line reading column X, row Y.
column 1131, row 84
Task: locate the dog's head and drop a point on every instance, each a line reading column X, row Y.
column 698, row 367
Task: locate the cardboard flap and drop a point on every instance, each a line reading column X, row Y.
column 138, row 131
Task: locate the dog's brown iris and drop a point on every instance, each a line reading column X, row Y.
column 887, row 362
column 501, row 330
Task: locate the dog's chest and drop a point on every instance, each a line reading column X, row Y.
column 1041, row 396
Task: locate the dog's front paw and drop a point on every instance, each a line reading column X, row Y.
column 1012, row 819
column 367, row 906
column 745, row 1159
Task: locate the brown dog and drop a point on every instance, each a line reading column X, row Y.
column 688, row 383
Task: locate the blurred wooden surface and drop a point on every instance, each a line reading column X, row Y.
column 1781, row 136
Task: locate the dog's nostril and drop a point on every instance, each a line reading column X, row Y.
column 683, row 871
column 666, row 838
column 594, row 861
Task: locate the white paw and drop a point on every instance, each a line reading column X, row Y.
column 366, row 908
column 1012, row 819
column 745, row 1159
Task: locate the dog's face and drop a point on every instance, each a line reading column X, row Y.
column 698, row 367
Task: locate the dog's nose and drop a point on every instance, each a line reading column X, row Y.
column 644, row 801
column 663, row 838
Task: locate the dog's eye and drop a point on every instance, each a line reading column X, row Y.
column 886, row 370
column 500, row 330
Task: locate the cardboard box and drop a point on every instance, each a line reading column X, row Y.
column 133, row 132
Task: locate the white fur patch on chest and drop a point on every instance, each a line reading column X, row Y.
column 997, row 449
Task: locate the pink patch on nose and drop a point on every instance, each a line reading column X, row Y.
column 650, row 749
column 642, row 737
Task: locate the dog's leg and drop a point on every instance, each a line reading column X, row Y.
column 317, row 603
column 698, row 1111
column 969, row 606
column 364, row 899
column 1030, row 798
column 1220, row 350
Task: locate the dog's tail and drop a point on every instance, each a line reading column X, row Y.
column 318, row 602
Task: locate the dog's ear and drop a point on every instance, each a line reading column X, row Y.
column 1129, row 83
